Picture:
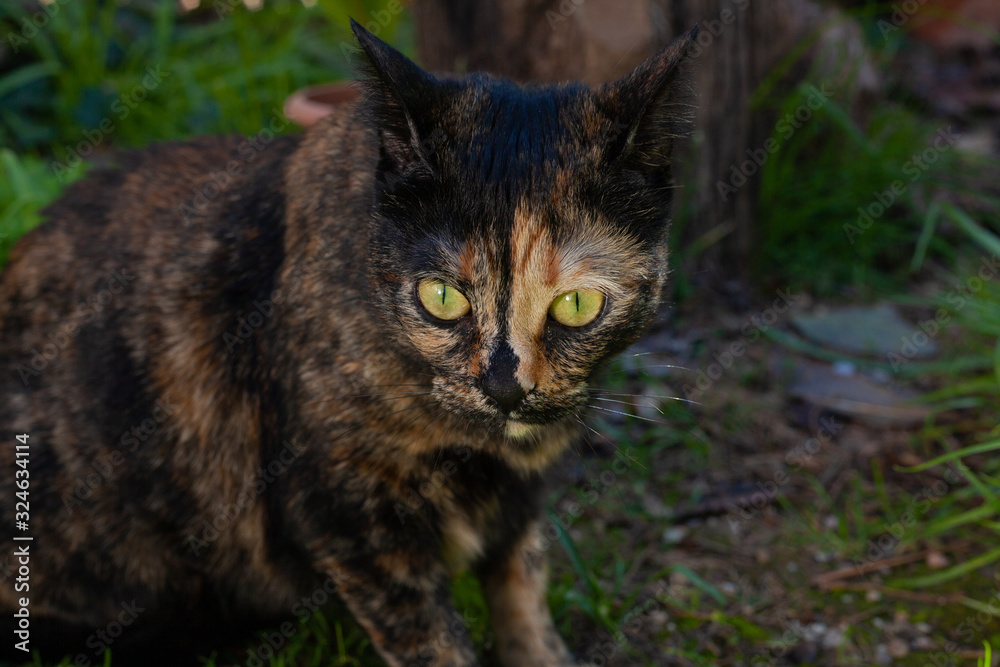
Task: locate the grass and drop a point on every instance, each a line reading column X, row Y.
column 153, row 75
column 26, row 185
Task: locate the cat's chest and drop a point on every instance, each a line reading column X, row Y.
column 472, row 498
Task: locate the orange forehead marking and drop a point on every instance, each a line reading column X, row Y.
column 467, row 262
column 535, row 272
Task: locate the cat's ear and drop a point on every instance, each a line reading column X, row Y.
column 401, row 100
column 647, row 107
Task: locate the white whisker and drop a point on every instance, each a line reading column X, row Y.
column 628, row 414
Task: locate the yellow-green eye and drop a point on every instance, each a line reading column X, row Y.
column 576, row 308
column 442, row 300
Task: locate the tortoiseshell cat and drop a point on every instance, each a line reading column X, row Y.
column 345, row 368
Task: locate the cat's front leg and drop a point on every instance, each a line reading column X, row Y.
column 405, row 609
column 514, row 589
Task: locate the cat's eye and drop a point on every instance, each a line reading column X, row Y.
column 577, row 308
column 441, row 299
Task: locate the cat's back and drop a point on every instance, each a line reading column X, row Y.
column 143, row 204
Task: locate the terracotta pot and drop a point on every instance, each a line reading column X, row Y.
column 308, row 105
column 955, row 24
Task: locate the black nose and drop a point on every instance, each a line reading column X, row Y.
column 499, row 382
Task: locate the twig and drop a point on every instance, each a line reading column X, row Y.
column 826, row 579
column 930, row 598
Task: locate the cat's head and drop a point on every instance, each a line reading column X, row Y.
column 518, row 233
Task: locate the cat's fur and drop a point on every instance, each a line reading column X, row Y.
column 233, row 394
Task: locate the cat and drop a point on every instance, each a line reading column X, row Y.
column 340, row 362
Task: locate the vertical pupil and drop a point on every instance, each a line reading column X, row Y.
column 577, row 295
column 444, row 292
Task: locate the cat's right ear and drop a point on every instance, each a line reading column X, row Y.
column 401, row 100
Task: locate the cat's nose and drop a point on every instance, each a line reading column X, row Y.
column 499, row 382
column 507, row 395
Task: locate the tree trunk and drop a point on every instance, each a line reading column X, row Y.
column 740, row 44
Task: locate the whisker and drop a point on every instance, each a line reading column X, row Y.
column 605, row 392
column 617, row 489
column 628, row 414
column 611, row 400
column 643, row 368
column 611, row 442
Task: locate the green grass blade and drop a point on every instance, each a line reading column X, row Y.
column 949, row 574
column 983, row 237
column 700, row 583
column 951, row 456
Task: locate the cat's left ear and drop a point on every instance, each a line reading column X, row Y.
column 401, row 100
column 646, row 107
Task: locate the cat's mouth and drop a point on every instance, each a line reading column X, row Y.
column 528, row 423
column 518, row 430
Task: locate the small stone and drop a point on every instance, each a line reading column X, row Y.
column 833, row 638
column 655, row 507
column 729, row 588
column 674, row 535
column 873, row 596
column 763, row 556
column 923, row 628
column 880, row 375
column 900, row 616
column 792, row 566
column 923, row 643
column 897, row 648
column 844, row 368
column 815, row 630
column 847, row 598
column 882, row 656
column 657, row 619
column 821, row 557
column 937, row 560
column 831, row 522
